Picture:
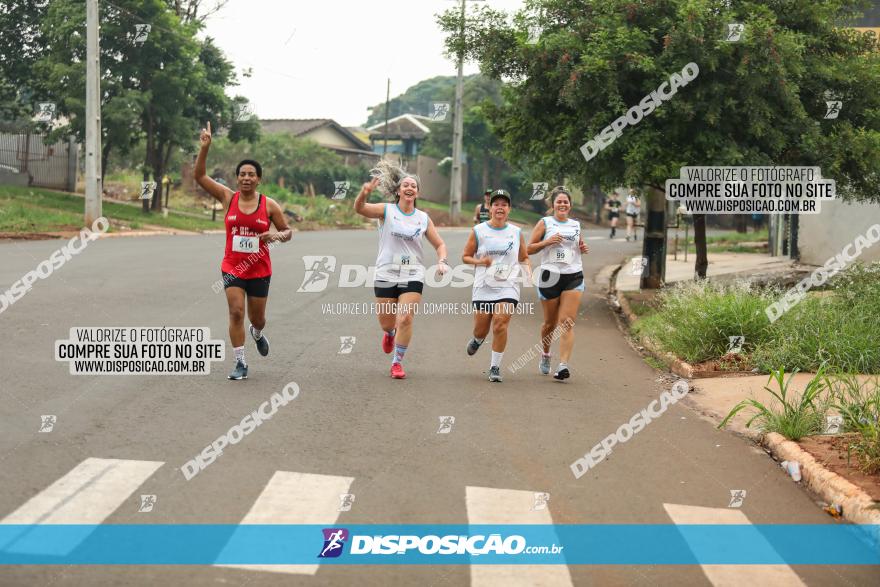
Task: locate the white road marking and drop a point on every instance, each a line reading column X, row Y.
column 486, row 505
column 296, row 498
column 734, row 575
column 88, row 494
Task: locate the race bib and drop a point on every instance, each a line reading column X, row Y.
column 498, row 273
column 405, row 260
column 245, row 244
column 561, row 255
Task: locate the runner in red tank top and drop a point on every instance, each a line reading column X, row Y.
column 246, row 267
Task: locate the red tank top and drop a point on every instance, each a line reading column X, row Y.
column 246, row 256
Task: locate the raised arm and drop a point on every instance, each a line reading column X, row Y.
column 364, row 208
column 219, row 192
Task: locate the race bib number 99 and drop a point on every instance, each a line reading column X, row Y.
column 561, row 255
column 245, row 244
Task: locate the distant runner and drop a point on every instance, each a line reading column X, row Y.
column 481, row 212
column 246, row 268
column 558, row 238
column 633, row 205
column 400, row 272
column 496, row 249
column 612, row 204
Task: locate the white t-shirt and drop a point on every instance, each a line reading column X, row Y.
column 502, row 278
column 400, row 245
column 565, row 257
column 631, row 205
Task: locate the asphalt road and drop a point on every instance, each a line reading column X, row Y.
column 352, row 426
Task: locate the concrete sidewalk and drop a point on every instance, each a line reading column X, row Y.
column 728, row 265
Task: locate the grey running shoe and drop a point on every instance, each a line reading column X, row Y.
column 240, row 372
column 495, row 374
column 262, row 342
column 473, row 346
column 562, row 374
column 545, row 365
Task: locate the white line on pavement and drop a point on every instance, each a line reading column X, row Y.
column 486, row 505
column 296, row 498
column 733, row 575
column 88, row 494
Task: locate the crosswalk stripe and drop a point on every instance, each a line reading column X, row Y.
column 296, row 498
column 733, row 575
column 487, row 505
column 88, row 494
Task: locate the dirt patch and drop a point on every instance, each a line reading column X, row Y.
column 729, row 364
column 831, row 452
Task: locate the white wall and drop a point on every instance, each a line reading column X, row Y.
column 823, row 235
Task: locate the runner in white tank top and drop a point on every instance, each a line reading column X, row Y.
column 497, row 250
column 559, row 241
column 633, row 205
column 400, row 271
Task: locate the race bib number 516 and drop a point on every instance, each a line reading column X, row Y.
column 245, row 244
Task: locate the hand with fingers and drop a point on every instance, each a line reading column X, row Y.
column 205, row 137
column 371, row 185
column 554, row 240
column 584, row 248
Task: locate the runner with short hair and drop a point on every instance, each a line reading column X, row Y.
column 400, row 271
column 496, row 249
column 558, row 238
column 246, row 268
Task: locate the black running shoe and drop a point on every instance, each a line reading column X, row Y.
column 562, row 374
column 262, row 342
column 240, row 372
column 473, row 346
column 495, row 374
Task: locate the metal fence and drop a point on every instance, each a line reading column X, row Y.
column 26, row 159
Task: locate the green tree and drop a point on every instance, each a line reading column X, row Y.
column 760, row 101
column 21, row 42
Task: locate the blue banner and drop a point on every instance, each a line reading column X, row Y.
column 599, row 544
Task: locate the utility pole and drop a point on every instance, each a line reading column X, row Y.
column 93, row 115
column 457, row 132
column 385, row 132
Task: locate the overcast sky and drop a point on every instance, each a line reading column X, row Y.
column 331, row 58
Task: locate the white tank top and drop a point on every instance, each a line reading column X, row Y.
column 502, row 279
column 400, row 245
column 565, row 257
column 631, row 204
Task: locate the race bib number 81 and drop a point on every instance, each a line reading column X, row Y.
column 245, row 244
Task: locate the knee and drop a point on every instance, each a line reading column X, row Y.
column 404, row 320
column 236, row 314
column 567, row 323
column 499, row 326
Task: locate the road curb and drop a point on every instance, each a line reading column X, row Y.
column 856, row 505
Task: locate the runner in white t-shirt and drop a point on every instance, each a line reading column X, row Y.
column 558, row 238
column 497, row 250
column 400, row 271
column 633, row 205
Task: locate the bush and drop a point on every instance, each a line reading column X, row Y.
column 859, row 404
column 696, row 319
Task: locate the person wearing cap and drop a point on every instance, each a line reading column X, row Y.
column 481, row 212
column 496, row 249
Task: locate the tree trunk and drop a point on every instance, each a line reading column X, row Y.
column 600, row 201
column 105, row 158
column 654, row 243
column 741, row 222
column 148, row 161
column 157, row 176
column 486, row 162
column 700, row 244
